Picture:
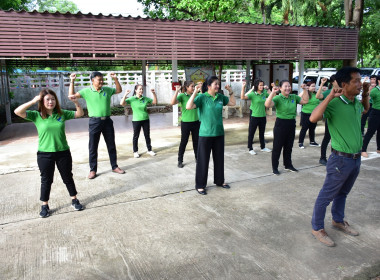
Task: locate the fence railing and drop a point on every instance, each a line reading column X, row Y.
column 26, row 86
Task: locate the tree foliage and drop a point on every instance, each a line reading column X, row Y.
column 52, row 6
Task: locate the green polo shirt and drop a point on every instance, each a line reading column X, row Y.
column 286, row 107
column 344, row 121
column 211, row 110
column 258, row 103
column 187, row 115
column 98, row 103
column 139, row 107
column 51, row 131
column 311, row 105
column 325, row 93
column 375, row 97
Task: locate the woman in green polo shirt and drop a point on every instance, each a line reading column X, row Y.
column 257, row 95
column 284, row 130
column 52, row 144
column 189, row 122
column 211, row 132
column 140, row 119
column 307, row 109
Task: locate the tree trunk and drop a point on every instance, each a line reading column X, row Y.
column 348, row 11
column 353, row 18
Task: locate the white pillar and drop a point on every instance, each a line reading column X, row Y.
column 300, row 79
column 143, row 66
column 175, row 79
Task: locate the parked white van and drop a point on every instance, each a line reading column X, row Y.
column 314, row 76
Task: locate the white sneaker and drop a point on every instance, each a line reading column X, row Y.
column 136, row 155
column 252, row 152
column 266, row 150
column 151, row 153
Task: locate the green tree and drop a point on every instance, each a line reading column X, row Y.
column 53, row 6
column 14, row 4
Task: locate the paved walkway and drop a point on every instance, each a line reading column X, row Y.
column 151, row 224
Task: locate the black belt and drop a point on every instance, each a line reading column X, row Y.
column 100, row 118
column 347, row 155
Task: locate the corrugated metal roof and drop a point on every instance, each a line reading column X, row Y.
column 35, row 35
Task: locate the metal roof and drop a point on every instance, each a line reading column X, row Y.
column 57, row 36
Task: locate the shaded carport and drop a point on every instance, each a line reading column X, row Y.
column 55, row 39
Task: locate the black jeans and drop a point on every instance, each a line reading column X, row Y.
column 96, row 128
column 307, row 125
column 365, row 117
column 46, row 163
column 284, row 132
column 373, row 126
column 186, row 128
column 136, row 134
column 255, row 122
column 205, row 146
column 325, row 141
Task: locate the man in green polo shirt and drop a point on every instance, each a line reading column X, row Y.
column 343, row 112
column 98, row 99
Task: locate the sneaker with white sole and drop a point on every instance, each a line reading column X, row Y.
column 45, row 211
column 314, row 144
column 266, row 150
column 301, row 146
column 252, row 152
column 76, row 204
column 136, row 155
column 151, row 153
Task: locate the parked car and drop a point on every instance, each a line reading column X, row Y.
column 313, row 75
column 367, row 72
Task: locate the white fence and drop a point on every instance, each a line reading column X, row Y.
column 26, row 86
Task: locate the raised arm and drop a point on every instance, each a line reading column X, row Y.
column 72, row 92
column 79, row 111
column 319, row 94
column 174, row 98
column 318, row 112
column 365, row 97
column 21, row 110
column 304, row 95
column 190, row 104
column 154, row 96
column 232, row 101
column 269, row 101
column 243, row 95
column 117, row 84
column 122, row 101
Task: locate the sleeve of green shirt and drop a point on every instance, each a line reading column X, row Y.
column 31, row 115
column 68, row 115
column 298, row 99
column 198, row 100
column 83, row 92
column 372, row 94
column 149, row 100
column 109, row 90
column 275, row 100
column 179, row 97
column 250, row 95
column 128, row 100
column 225, row 100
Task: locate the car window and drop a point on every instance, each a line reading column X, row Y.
column 365, row 72
column 295, row 80
column 311, row 79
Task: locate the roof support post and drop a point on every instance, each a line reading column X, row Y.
column 4, row 94
column 175, row 79
column 143, row 65
column 300, row 79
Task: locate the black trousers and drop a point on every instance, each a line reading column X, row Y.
column 96, row 128
column 365, row 117
column 186, row 128
column 325, row 141
column 46, row 163
column 306, row 125
column 206, row 145
column 373, row 127
column 136, row 134
column 255, row 122
column 284, row 132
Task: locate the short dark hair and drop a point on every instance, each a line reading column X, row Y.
column 208, row 82
column 256, row 83
column 332, row 78
column 95, row 74
column 284, row 81
column 344, row 74
column 377, row 78
column 373, row 76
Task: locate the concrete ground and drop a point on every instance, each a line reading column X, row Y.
column 151, row 224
